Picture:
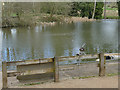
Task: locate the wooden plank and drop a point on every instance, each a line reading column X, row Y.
column 35, row 68
column 88, row 56
column 111, row 54
column 4, row 74
column 44, row 60
column 13, row 74
column 56, row 69
column 13, row 63
column 66, row 57
column 101, row 65
column 38, row 62
column 43, row 76
column 66, row 68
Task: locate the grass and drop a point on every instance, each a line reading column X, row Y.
column 29, row 84
column 86, row 77
column 13, row 15
column 82, row 77
column 108, row 8
column 110, row 74
column 113, row 74
column 111, row 17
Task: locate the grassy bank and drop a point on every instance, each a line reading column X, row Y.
column 37, row 19
column 111, row 17
column 33, row 19
column 28, row 20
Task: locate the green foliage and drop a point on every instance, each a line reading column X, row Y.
column 30, row 13
column 86, row 9
column 74, row 9
column 99, row 10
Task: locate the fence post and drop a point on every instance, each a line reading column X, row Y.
column 4, row 74
column 102, row 64
column 56, row 69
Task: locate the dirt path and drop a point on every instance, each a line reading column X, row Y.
column 96, row 82
column 104, row 82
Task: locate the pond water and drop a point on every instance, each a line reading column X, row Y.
column 59, row 40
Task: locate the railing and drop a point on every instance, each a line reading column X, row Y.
column 46, row 66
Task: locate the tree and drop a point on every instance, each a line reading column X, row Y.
column 94, row 10
column 99, row 10
column 87, row 8
column 119, row 8
column 55, row 8
column 91, row 10
column 74, row 9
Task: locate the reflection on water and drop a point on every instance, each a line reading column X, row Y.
column 60, row 40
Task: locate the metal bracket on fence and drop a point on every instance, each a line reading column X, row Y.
column 78, row 60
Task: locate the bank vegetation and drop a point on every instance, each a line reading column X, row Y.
column 16, row 14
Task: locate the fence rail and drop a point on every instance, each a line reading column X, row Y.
column 47, row 65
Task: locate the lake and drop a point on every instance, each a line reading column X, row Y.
column 23, row 43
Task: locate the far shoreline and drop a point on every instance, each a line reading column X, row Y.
column 67, row 20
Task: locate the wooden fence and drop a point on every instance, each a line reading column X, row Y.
column 45, row 66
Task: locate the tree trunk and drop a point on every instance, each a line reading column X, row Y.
column 33, row 6
column 105, row 9
column 94, row 10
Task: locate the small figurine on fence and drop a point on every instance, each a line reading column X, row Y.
column 81, row 52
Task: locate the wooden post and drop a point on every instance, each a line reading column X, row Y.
column 56, row 69
column 4, row 74
column 101, row 65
